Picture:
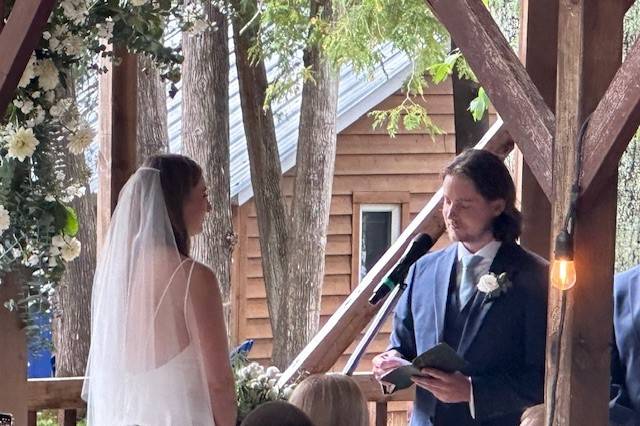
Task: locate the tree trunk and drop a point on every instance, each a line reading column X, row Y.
column 264, row 161
column 315, row 160
column 468, row 131
column 292, row 246
column 205, row 135
column 152, row 130
column 71, row 322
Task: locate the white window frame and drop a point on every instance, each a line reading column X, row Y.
column 396, row 223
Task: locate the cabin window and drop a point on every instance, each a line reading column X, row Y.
column 379, row 228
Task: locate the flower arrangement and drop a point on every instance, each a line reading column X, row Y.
column 42, row 127
column 256, row 385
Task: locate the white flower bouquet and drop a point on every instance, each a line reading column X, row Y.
column 256, row 385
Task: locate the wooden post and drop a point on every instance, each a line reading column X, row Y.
column 13, row 356
column 381, row 413
column 589, row 53
column 117, row 134
column 538, row 51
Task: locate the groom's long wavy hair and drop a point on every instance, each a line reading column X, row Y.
column 493, row 181
column 178, row 176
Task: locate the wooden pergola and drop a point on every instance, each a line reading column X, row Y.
column 569, row 67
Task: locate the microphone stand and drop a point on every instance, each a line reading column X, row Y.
column 373, row 329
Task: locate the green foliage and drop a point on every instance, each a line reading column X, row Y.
column 413, row 116
column 37, row 225
column 479, row 105
column 49, row 418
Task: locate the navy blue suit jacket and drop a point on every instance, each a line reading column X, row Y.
column 625, row 359
column 503, row 341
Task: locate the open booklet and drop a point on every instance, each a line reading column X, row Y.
column 441, row 356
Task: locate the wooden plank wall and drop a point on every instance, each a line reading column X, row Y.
column 369, row 166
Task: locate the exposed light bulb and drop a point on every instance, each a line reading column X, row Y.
column 563, row 274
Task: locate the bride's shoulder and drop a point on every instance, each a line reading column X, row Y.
column 201, row 274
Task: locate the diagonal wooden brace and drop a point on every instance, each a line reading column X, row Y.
column 18, row 39
column 613, row 123
column 526, row 115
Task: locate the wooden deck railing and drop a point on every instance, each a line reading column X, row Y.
column 63, row 394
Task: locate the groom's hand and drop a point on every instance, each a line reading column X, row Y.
column 446, row 387
column 386, row 361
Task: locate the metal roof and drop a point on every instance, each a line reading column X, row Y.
column 357, row 94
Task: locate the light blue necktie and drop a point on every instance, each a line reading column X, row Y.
column 468, row 278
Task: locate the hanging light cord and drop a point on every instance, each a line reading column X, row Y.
column 569, row 222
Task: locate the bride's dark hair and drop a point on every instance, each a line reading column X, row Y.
column 178, row 176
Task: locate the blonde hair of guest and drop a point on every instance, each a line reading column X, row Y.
column 331, row 400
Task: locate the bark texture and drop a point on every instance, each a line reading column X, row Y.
column 205, row 137
column 264, row 160
column 152, row 127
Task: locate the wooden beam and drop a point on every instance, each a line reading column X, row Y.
column 55, row 394
column 538, row 51
column 117, row 134
column 13, row 356
column 355, row 313
column 527, row 118
column 613, row 123
column 18, row 39
column 589, row 53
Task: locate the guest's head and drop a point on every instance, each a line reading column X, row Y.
column 332, row 400
column 277, row 413
column 185, row 195
column 479, row 200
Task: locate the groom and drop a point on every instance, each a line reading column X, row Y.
column 499, row 327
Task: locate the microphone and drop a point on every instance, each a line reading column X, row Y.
column 419, row 248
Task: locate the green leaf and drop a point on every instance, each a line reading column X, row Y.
column 71, row 226
column 479, row 105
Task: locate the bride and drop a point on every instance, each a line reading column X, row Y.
column 159, row 354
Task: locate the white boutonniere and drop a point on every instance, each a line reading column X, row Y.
column 493, row 285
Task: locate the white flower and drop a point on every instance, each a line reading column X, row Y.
column 138, row 3
column 272, row 372
column 36, row 94
column 39, row 115
column 54, row 43
column 52, row 262
column 58, row 241
column 199, row 26
column 73, row 45
column 28, row 74
column 272, row 394
column 105, row 30
column 50, row 198
column 81, row 139
column 71, row 249
column 46, row 35
column 67, row 247
column 27, row 107
column 488, row 283
column 22, row 143
column 33, row 260
column 5, row 220
column 48, row 76
column 50, row 96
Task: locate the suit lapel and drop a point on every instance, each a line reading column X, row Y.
column 479, row 308
column 444, row 267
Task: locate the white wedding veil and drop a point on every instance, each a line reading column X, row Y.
column 144, row 367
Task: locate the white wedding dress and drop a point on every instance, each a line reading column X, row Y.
column 145, row 364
